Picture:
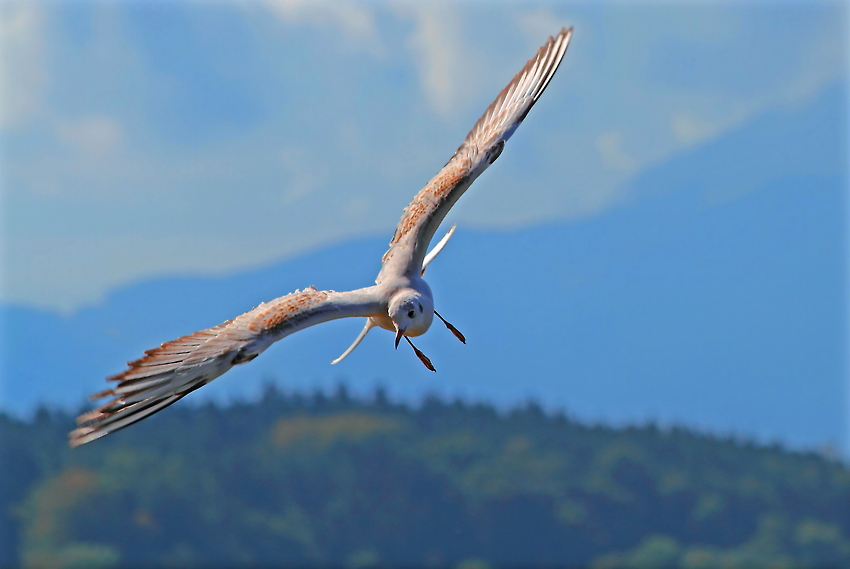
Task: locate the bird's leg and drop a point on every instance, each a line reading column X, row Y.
column 454, row 330
column 422, row 357
column 369, row 325
column 432, row 254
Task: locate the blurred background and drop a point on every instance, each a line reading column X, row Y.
column 652, row 281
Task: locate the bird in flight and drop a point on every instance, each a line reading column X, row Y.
column 400, row 301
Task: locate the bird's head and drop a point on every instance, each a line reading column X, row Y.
column 411, row 313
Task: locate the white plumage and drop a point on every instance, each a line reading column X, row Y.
column 400, row 301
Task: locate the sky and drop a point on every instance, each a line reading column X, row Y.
column 143, row 139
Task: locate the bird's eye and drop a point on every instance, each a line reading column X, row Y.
column 411, row 314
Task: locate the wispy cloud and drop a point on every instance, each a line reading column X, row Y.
column 823, row 59
column 303, row 178
column 90, row 266
column 23, row 73
column 538, row 23
column 139, row 120
column 441, row 58
column 610, row 146
column 93, row 136
column 691, row 129
column 355, row 19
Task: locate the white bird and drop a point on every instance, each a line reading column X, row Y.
column 400, row 301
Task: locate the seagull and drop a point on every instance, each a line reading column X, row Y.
column 400, row 301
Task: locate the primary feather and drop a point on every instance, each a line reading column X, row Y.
column 479, row 149
column 173, row 370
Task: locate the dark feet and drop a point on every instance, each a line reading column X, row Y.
column 454, row 330
column 422, row 357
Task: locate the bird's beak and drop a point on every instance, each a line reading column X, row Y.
column 399, row 333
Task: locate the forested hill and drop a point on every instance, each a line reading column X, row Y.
column 330, row 481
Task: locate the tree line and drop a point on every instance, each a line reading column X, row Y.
column 336, row 481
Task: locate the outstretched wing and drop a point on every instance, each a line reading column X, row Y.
column 482, row 146
column 175, row 369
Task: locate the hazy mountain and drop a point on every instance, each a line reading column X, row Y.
column 716, row 297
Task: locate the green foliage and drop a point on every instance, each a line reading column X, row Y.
column 337, row 482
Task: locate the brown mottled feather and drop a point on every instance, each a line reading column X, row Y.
column 481, row 147
column 176, row 368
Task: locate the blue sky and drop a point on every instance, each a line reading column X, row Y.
column 152, row 138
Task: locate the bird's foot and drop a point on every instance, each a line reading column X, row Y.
column 453, row 330
column 422, row 357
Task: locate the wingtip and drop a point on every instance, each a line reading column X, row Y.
column 81, row 436
column 101, row 394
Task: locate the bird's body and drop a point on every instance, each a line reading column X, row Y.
column 402, row 287
column 400, row 300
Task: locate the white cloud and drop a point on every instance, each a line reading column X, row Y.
column 355, row 19
column 444, row 65
column 691, row 129
column 608, row 115
column 84, row 159
column 539, row 23
column 92, row 135
column 23, row 72
column 304, row 178
column 88, row 267
column 610, row 146
column 357, row 206
column 823, row 59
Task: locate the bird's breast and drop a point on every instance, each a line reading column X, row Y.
column 384, row 321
